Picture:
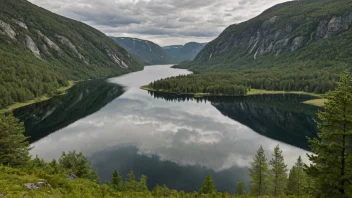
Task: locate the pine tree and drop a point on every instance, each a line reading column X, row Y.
column 259, row 174
column 240, row 189
column 14, row 147
column 297, row 179
column 332, row 160
column 116, row 181
column 278, row 172
column 208, row 186
column 142, row 184
column 130, row 183
column 78, row 164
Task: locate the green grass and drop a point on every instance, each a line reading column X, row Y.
column 320, row 102
column 265, row 92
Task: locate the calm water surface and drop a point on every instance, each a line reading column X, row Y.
column 174, row 140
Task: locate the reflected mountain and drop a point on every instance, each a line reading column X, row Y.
column 83, row 99
column 187, row 178
column 281, row 117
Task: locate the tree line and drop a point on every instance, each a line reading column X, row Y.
column 328, row 174
column 239, row 82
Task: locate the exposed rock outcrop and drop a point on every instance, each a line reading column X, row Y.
column 30, row 44
column 8, row 30
column 20, row 23
column 274, row 36
column 48, row 42
column 37, row 185
column 116, row 59
column 65, row 41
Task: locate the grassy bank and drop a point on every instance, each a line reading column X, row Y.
column 319, row 101
column 61, row 91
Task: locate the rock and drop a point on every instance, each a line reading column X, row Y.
column 8, row 30
column 30, row 44
column 20, row 23
column 37, row 185
column 71, row 176
column 68, row 43
column 48, row 42
column 116, row 59
column 335, row 26
column 297, row 43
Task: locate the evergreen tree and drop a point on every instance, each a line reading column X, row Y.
column 14, row 147
column 278, row 172
column 297, row 179
column 130, row 183
column 240, row 189
column 208, row 186
column 142, row 184
column 332, row 160
column 116, row 181
column 78, row 164
column 259, row 174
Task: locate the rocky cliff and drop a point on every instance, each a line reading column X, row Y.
column 285, row 30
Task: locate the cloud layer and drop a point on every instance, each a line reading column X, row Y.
column 162, row 21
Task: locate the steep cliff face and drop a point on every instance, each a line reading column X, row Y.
column 185, row 52
column 284, row 29
column 146, row 51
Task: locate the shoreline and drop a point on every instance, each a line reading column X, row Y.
column 318, row 101
column 38, row 99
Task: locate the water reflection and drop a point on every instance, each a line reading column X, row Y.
column 83, row 99
column 176, row 143
column 280, row 117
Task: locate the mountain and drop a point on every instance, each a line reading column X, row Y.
column 306, row 34
column 185, row 52
column 146, row 51
column 40, row 51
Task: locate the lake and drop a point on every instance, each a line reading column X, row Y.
column 173, row 140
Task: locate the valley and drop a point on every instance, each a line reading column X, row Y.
column 179, row 99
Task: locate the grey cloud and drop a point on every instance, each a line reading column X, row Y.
column 160, row 19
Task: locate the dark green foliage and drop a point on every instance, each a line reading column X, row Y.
column 23, row 76
column 78, row 164
column 259, row 174
column 332, row 164
column 240, row 189
column 241, row 81
column 14, row 147
column 208, row 186
column 278, row 174
column 130, row 181
column 116, row 181
column 297, row 179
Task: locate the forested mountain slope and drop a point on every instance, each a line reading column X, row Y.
column 185, row 52
column 146, row 51
column 40, row 51
column 305, row 33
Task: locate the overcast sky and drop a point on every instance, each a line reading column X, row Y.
column 166, row 22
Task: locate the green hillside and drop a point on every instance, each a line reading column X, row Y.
column 294, row 46
column 40, row 51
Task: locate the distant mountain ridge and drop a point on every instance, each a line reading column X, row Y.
column 40, row 51
column 185, row 52
column 146, row 51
